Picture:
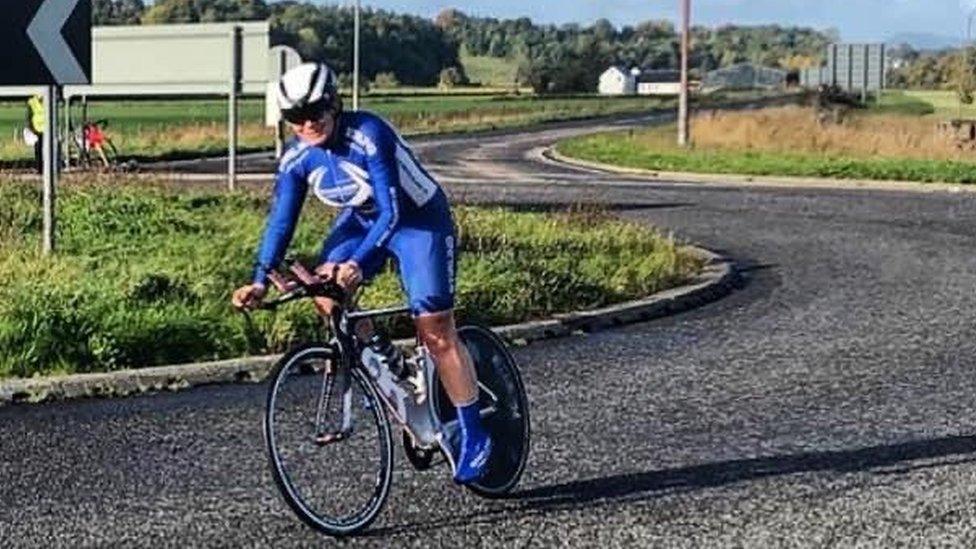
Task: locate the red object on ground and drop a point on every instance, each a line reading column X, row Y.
column 94, row 136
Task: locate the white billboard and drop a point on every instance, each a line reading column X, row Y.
column 185, row 59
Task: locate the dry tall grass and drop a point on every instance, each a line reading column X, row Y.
column 190, row 137
column 795, row 130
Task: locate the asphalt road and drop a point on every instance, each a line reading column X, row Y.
column 827, row 402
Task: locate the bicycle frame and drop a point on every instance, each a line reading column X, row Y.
column 416, row 415
column 419, row 417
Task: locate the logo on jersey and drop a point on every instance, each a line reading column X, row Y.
column 349, row 187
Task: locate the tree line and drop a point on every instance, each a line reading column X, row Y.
column 571, row 57
column 414, row 50
column 951, row 69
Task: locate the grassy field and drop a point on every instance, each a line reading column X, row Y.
column 944, row 103
column 168, row 128
column 903, row 103
column 144, row 273
column 896, row 139
column 489, row 71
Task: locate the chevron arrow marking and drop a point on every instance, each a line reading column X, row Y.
column 45, row 32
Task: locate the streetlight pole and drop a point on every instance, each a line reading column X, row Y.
column 683, row 117
column 355, row 58
column 969, row 34
column 969, row 26
column 967, row 67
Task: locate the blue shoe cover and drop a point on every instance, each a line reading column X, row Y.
column 473, row 461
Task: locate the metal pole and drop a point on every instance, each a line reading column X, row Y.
column 50, row 155
column 65, row 136
column 683, row 115
column 355, row 58
column 864, row 82
column 966, row 55
column 235, row 58
column 279, row 125
column 969, row 26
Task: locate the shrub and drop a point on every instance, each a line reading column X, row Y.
column 143, row 276
column 386, row 80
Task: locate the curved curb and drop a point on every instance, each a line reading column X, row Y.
column 551, row 155
column 715, row 281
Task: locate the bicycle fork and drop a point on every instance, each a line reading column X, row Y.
column 335, row 380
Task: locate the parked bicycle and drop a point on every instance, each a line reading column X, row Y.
column 328, row 418
column 94, row 148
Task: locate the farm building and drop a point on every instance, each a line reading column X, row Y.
column 745, row 76
column 617, row 81
column 659, row 82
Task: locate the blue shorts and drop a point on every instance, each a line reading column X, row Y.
column 426, row 257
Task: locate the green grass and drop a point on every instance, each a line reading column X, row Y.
column 168, row 128
column 625, row 149
column 943, row 104
column 161, row 129
column 144, row 273
column 434, row 115
column 489, row 71
column 946, row 103
column 903, row 103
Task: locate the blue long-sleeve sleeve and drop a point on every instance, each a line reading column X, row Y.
column 289, row 196
column 384, row 175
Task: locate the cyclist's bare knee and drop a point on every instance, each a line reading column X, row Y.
column 437, row 332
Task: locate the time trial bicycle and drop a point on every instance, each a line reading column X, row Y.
column 329, row 418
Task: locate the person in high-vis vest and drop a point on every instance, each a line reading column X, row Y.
column 35, row 123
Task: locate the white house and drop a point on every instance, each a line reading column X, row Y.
column 617, row 81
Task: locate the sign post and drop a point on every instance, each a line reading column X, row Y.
column 235, row 89
column 683, row 116
column 47, row 43
column 50, row 156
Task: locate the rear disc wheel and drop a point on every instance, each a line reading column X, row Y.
column 504, row 410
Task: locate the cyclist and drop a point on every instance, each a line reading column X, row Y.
column 390, row 206
column 36, row 119
column 94, row 140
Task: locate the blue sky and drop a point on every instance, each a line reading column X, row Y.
column 856, row 19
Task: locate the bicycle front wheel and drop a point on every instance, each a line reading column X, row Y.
column 329, row 441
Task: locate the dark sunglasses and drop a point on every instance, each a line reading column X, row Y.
column 304, row 113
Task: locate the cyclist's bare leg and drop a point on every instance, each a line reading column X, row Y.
column 101, row 154
column 454, row 367
column 457, row 375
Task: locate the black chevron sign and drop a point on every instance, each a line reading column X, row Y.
column 46, row 42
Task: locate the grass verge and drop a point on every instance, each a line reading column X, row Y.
column 788, row 142
column 144, row 274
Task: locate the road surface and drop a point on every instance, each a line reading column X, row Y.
column 827, row 402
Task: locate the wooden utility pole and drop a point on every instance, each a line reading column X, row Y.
column 683, row 116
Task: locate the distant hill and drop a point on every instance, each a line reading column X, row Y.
column 926, row 41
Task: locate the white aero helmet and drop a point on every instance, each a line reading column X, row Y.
column 307, row 91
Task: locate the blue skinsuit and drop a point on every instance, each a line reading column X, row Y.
column 390, row 206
